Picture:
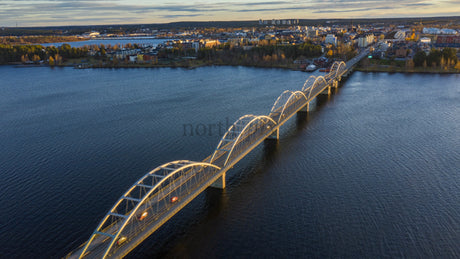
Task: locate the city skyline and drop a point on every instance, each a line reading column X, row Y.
column 24, row 13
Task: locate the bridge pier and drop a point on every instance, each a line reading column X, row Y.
column 335, row 83
column 219, row 183
column 306, row 108
column 275, row 135
column 326, row 91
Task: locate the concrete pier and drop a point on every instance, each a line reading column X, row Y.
column 327, row 91
column 275, row 135
column 219, row 183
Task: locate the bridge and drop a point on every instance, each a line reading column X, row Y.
column 161, row 193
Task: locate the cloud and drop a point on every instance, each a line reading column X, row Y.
column 353, row 10
column 270, row 9
column 123, row 11
column 419, row 4
column 337, row 6
column 179, row 15
column 263, row 3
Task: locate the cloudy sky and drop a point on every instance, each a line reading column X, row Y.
column 94, row 12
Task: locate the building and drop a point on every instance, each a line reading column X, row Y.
column 365, row 41
column 451, row 41
column 431, row 31
column 425, row 40
column 312, row 33
column 150, row 57
column 211, row 43
column 400, row 36
column 196, row 45
column 133, row 58
column 439, row 31
column 401, row 52
column 449, row 31
column 92, row 34
column 331, row 39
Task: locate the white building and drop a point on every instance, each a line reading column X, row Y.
column 331, row 39
column 400, row 35
column 92, row 34
column 448, row 31
column 439, row 31
column 431, row 31
column 133, row 58
column 196, row 45
column 365, row 41
column 425, row 40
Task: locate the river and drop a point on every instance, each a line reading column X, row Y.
column 372, row 171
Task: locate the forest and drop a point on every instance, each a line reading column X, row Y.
column 262, row 55
column 444, row 58
column 35, row 53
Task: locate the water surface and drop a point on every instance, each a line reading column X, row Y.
column 371, row 172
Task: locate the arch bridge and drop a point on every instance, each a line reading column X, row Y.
column 161, row 193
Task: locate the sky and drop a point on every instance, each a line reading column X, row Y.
column 100, row 12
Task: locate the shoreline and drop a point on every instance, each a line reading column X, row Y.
column 406, row 70
column 178, row 65
column 372, row 69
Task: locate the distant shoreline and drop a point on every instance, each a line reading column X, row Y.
column 190, row 67
column 407, row 70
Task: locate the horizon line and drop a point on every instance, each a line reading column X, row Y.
column 226, row 21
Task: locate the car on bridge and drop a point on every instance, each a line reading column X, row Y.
column 121, row 240
column 174, row 199
column 143, row 215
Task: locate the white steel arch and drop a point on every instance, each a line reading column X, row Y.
column 336, row 69
column 159, row 176
column 242, row 127
column 318, row 83
column 342, row 68
column 334, row 66
column 332, row 73
column 308, row 83
column 286, row 99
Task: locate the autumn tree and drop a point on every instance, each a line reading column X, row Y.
column 35, row 58
column 24, row 58
column 57, row 59
column 51, row 61
column 409, row 63
column 457, row 66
